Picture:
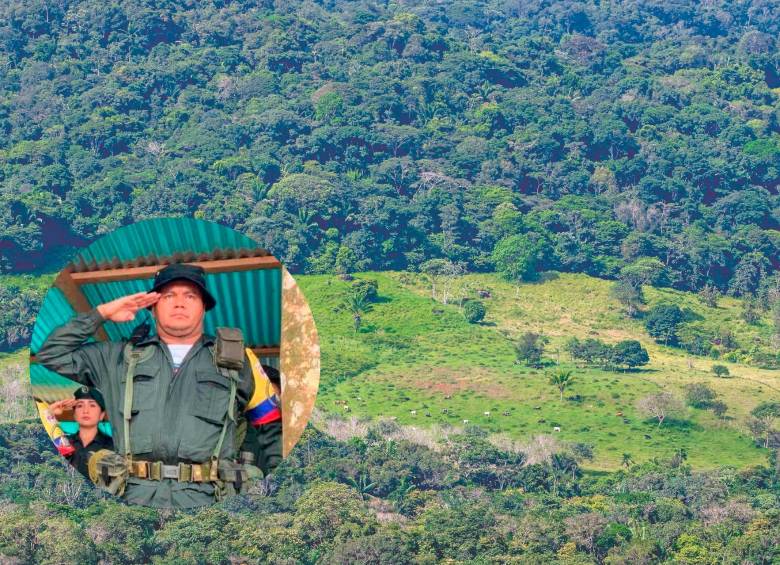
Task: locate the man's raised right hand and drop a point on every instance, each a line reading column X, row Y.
column 124, row 309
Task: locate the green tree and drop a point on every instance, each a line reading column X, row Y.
column 662, row 322
column 382, row 548
column 630, row 353
column 709, row 296
column 366, row 288
column 750, row 312
column 474, row 311
column 767, row 413
column 356, row 304
column 124, row 534
column 329, row 513
column 630, row 296
column 530, row 347
column 518, row 257
column 561, row 380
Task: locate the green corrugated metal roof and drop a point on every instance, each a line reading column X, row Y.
column 164, row 236
column 250, row 300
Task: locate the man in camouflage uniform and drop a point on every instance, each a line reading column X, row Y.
column 180, row 397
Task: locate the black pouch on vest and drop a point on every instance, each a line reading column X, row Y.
column 229, row 352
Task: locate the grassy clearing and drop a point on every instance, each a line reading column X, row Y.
column 419, row 361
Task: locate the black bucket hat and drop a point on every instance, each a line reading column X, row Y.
column 93, row 393
column 180, row 271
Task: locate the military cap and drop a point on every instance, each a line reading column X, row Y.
column 92, row 393
column 180, row 271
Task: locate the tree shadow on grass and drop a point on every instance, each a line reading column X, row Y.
column 681, row 425
column 544, row 277
column 637, row 371
column 691, row 316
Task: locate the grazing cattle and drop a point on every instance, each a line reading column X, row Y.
column 413, row 412
column 557, row 429
column 487, row 414
column 465, row 421
column 505, row 413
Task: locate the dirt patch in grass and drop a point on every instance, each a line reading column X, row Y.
column 449, row 380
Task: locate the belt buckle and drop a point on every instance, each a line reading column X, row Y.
column 185, row 472
column 170, row 471
column 141, row 469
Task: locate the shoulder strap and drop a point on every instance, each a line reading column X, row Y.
column 234, row 378
column 133, row 355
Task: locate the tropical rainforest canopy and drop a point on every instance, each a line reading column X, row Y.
column 356, row 135
column 622, row 139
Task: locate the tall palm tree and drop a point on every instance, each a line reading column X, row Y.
column 357, row 304
column 561, row 379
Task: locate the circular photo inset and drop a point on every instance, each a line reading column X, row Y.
column 173, row 362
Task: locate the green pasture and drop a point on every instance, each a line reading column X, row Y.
column 419, row 361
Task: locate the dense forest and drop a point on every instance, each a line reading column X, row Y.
column 634, row 141
column 375, row 496
column 356, row 135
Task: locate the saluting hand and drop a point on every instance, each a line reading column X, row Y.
column 58, row 408
column 124, row 309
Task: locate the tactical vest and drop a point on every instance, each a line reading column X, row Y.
column 111, row 472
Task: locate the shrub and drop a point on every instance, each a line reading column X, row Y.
column 720, row 370
column 699, row 395
column 367, row 288
column 474, row 311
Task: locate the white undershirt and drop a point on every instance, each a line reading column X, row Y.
column 178, row 353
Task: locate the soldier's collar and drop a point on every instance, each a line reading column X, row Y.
column 205, row 339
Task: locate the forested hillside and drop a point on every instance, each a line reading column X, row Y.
column 478, row 403
column 358, row 135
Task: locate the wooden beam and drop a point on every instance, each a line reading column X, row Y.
column 216, row 266
column 266, row 351
column 70, row 288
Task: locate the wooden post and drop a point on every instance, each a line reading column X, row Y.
column 75, row 297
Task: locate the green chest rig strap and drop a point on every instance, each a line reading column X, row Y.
column 229, row 359
column 133, row 356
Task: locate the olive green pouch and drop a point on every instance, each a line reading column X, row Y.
column 229, row 351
